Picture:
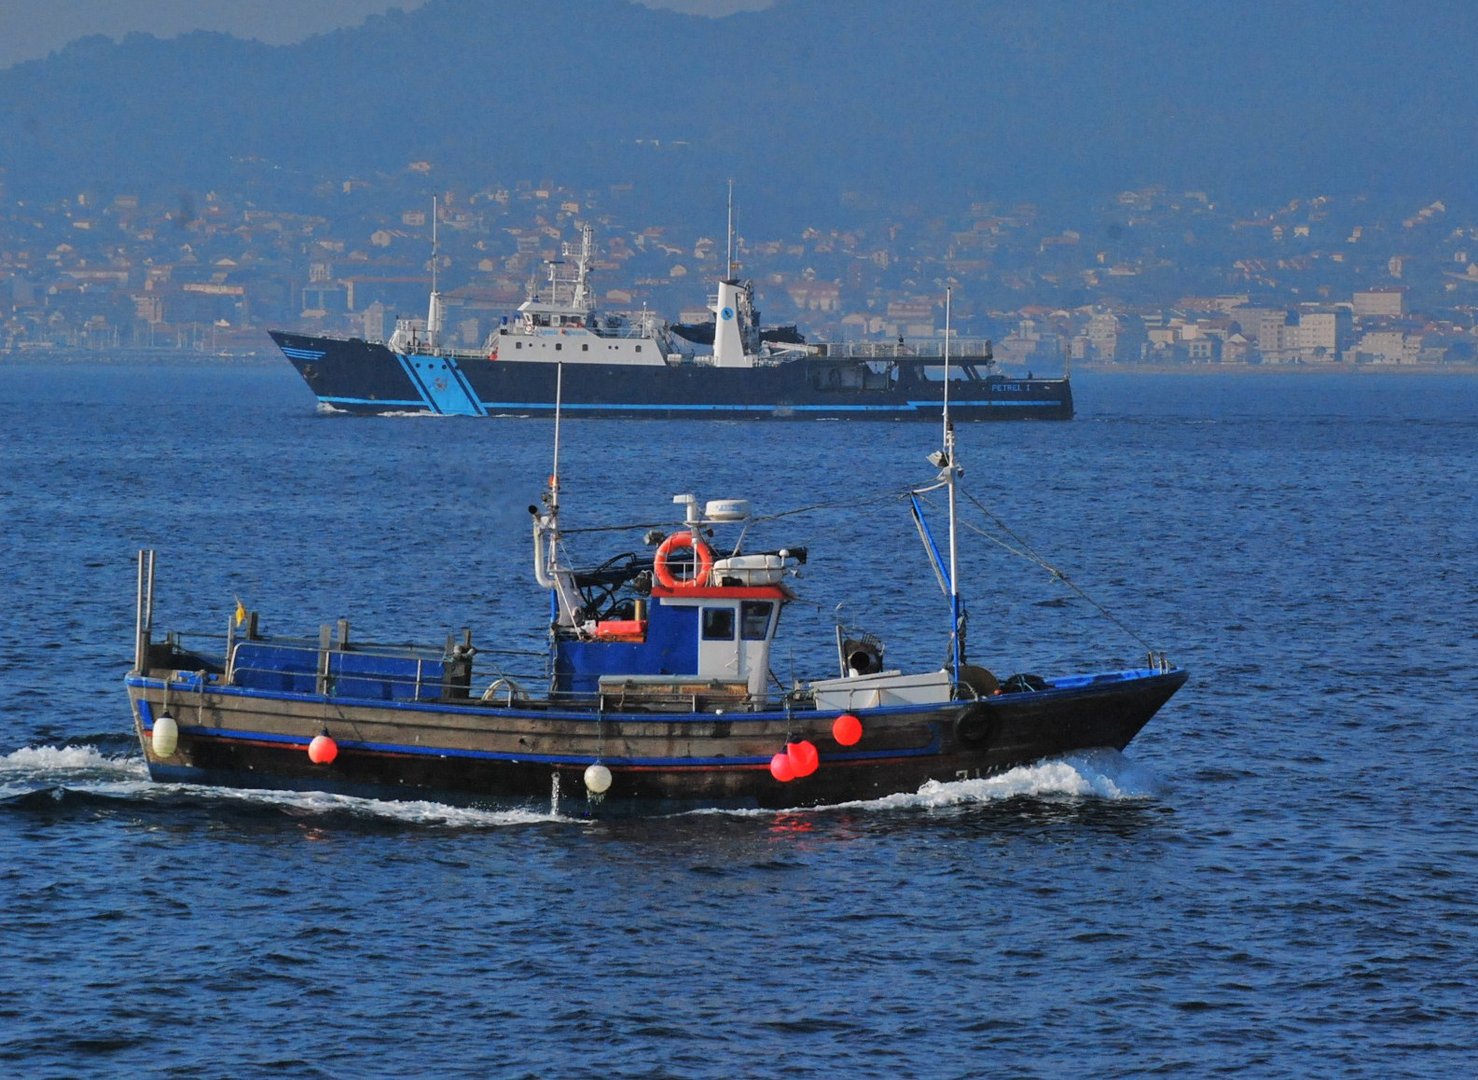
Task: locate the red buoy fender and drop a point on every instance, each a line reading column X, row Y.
column 701, row 551
column 322, row 750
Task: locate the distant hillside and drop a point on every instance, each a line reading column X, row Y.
column 930, row 99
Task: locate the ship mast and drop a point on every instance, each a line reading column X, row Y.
column 559, row 385
column 952, row 476
column 547, row 570
column 433, row 313
column 729, row 254
column 732, row 309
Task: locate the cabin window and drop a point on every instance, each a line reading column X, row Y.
column 638, row 348
column 558, row 345
column 754, row 619
column 518, row 344
column 718, row 624
column 584, row 348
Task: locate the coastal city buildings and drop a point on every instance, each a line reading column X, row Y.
column 1148, row 277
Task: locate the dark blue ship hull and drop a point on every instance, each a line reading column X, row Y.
column 363, row 377
column 471, row 751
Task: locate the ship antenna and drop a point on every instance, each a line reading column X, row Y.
column 433, row 309
column 729, row 256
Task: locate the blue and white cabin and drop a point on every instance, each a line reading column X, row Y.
column 690, row 630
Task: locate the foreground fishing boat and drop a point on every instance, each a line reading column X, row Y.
column 656, row 691
column 637, row 367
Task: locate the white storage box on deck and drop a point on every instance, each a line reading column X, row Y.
column 884, row 688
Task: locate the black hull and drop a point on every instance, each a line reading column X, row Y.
column 464, row 753
column 361, row 377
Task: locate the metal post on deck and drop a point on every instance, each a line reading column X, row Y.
column 144, row 611
column 325, row 643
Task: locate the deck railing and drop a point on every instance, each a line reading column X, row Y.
column 961, row 350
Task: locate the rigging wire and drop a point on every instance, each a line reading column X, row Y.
column 1026, row 551
column 1021, row 548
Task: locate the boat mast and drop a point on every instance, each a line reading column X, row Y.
column 952, row 473
column 729, row 254
column 559, row 383
column 565, row 604
column 731, row 309
column 579, row 291
column 433, row 313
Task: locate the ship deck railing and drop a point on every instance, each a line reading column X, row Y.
column 961, row 350
column 364, row 671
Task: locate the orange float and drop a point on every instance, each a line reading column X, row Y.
column 322, row 750
column 803, row 757
column 846, row 729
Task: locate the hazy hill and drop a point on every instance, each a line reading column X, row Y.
column 933, row 98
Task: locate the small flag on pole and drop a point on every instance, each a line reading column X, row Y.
column 240, row 612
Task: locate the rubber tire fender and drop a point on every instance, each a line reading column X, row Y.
column 975, row 727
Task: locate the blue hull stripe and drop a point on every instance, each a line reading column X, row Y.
column 382, row 403
column 455, row 398
column 908, row 406
column 478, row 409
column 415, row 381
column 484, row 407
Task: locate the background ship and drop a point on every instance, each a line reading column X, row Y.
column 639, row 366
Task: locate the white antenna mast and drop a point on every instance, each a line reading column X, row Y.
column 433, row 310
column 729, row 257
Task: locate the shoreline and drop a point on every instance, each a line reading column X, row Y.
column 1255, row 370
column 263, row 358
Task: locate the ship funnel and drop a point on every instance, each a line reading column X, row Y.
column 728, row 335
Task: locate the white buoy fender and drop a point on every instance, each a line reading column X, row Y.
column 166, row 736
column 597, row 779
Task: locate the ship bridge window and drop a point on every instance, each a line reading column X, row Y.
column 754, row 619
column 718, row 624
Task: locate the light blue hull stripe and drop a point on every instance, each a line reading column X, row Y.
column 415, row 381
column 381, row 402
column 453, row 398
column 484, row 407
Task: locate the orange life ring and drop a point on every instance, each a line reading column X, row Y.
column 701, row 551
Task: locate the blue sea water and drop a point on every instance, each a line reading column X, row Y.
column 1277, row 878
